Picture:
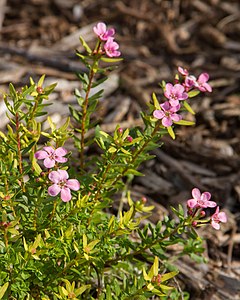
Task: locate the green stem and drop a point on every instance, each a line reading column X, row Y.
column 92, row 72
column 135, row 155
column 38, row 202
column 54, row 210
column 104, row 175
column 142, row 249
column 84, row 116
column 5, row 237
column 19, row 154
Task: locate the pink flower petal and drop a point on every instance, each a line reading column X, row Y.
column 178, row 89
column 100, row 28
column 174, row 102
column 205, row 87
column 191, row 203
column 60, row 151
column 63, row 174
column 175, row 108
column 211, row 204
column 203, row 78
column 110, row 32
column 205, row 196
column 49, row 163
column 49, row 149
column 196, row 193
column 167, row 121
column 73, row 184
column 222, row 217
column 176, row 117
column 168, row 90
column 166, row 106
column 41, row 154
column 54, row 190
column 66, row 194
column 158, row 114
column 183, row 71
column 215, row 225
column 54, row 176
column 61, row 159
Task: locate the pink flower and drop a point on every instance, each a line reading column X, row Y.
column 218, row 217
column 175, row 93
column 191, row 81
column 182, row 71
column 111, row 48
column 167, row 114
column 102, row 32
column 63, row 185
column 202, row 84
column 51, row 156
column 200, row 200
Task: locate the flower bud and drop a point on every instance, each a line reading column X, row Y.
column 120, row 130
column 39, row 90
column 129, row 138
column 202, row 213
column 194, row 223
column 144, row 200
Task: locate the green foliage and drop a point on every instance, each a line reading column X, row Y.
column 50, row 249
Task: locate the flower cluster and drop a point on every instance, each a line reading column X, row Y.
column 107, row 36
column 200, row 202
column 179, row 92
column 59, row 178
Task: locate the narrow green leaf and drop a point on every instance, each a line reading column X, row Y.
column 112, row 150
column 188, row 107
column 155, row 101
column 85, row 45
column 185, row 123
column 26, row 150
column 36, row 167
column 28, row 91
column 82, row 289
column 171, row 132
column 98, row 82
column 134, row 172
column 111, row 60
column 41, row 80
column 3, row 289
column 193, row 93
column 169, row 275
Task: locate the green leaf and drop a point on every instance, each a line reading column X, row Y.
column 154, row 268
column 185, row 123
column 36, row 167
column 188, row 107
column 169, row 275
column 193, row 93
column 111, row 60
column 98, row 82
column 28, row 91
column 3, row 289
column 82, row 289
column 134, row 172
column 26, row 150
column 171, row 132
column 112, row 150
column 85, row 45
column 155, row 101
column 41, row 80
